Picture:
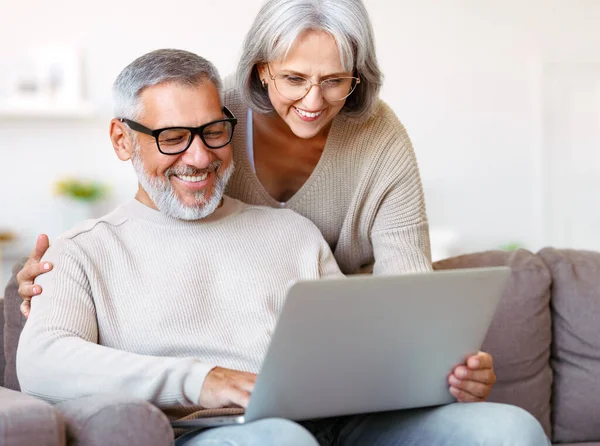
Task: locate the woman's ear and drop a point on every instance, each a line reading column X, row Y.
column 261, row 68
column 121, row 140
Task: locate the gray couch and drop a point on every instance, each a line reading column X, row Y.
column 545, row 339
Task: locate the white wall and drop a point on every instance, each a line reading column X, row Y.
column 465, row 77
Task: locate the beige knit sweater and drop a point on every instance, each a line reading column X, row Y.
column 365, row 194
column 144, row 304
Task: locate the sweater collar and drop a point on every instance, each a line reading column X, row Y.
column 139, row 211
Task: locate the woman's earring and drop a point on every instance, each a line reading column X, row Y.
column 264, row 84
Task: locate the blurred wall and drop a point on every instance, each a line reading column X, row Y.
column 465, row 76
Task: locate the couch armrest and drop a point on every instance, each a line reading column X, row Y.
column 2, row 359
column 25, row 420
column 116, row 420
column 13, row 324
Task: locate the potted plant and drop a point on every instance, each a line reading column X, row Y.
column 80, row 199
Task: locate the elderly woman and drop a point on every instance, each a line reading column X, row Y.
column 317, row 139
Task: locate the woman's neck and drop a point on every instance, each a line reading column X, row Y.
column 284, row 161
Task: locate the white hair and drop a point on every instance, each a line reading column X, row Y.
column 280, row 22
column 165, row 65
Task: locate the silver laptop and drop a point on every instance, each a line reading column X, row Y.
column 370, row 343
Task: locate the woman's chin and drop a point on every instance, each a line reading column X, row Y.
column 306, row 130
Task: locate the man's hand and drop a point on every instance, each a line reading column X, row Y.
column 473, row 382
column 30, row 271
column 226, row 388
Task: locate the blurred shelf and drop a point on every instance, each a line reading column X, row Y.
column 27, row 111
column 14, row 249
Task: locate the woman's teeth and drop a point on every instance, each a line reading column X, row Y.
column 193, row 179
column 308, row 114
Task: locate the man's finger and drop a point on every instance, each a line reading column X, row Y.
column 480, row 361
column 485, row 376
column 247, row 386
column 41, row 246
column 247, row 383
column 477, row 389
column 464, row 397
column 240, row 398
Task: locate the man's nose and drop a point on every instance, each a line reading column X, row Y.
column 198, row 154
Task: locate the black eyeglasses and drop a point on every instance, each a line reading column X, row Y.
column 175, row 140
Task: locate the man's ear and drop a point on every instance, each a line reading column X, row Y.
column 121, row 140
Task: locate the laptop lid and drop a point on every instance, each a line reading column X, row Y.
column 373, row 343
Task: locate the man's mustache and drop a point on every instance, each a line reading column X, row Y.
column 214, row 166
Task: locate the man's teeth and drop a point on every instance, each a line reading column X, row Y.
column 193, row 179
column 308, row 114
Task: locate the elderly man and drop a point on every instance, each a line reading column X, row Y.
column 173, row 296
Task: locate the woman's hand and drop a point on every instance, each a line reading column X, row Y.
column 473, row 381
column 32, row 269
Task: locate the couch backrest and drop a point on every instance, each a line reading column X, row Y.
column 520, row 337
column 576, row 343
column 13, row 324
column 545, row 338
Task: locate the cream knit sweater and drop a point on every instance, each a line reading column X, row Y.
column 144, row 304
column 365, row 194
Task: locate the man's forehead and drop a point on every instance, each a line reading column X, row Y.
column 179, row 89
column 176, row 104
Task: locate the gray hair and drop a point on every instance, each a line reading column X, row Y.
column 280, row 22
column 166, row 65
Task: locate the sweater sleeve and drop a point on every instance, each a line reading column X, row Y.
column 328, row 267
column 400, row 232
column 59, row 358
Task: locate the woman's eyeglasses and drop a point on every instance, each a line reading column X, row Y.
column 294, row 87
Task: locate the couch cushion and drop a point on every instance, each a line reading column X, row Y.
column 576, row 348
column 519, row 337
column 13, row 325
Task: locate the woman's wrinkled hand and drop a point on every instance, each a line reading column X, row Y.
column 33, row 268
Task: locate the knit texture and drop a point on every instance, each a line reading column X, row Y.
column 365, row 194
column 145, row 304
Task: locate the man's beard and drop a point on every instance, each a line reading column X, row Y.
column 165, row 198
